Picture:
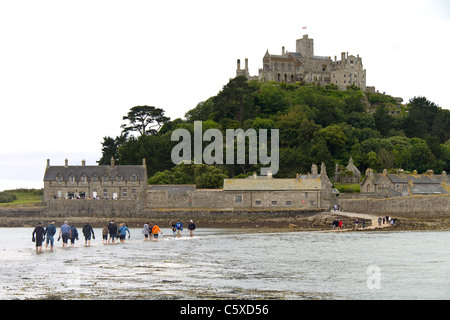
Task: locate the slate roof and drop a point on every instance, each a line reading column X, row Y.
column 124, row 171
column 271, row 184
column 173, row 188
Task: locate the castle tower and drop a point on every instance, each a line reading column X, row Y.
column 305, row 47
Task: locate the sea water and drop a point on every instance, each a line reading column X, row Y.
column 230, row 264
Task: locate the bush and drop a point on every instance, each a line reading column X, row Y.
column 7, row 197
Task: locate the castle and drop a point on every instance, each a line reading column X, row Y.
column 303, row 66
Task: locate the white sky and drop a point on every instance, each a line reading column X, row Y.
column 70, row 70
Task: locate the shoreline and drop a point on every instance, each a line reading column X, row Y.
column 319, row 221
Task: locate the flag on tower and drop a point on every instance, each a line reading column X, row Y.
column 304, row 28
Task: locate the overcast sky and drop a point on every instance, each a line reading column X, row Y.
column 70, row 70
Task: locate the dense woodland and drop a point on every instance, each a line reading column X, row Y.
column 316, row 124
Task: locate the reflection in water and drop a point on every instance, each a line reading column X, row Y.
column 230, row 264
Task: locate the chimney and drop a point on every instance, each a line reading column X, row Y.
column 112, row 162
column 239, row 64
column 430, row 173
column 323, row 169
column 343, row 57
column 314, row 169
column 144, row 162
column 48, row 163
column 384, row 172
column 83, row 163
column 66, row 163
column 254, row 174
column 282, row 50
column 246, row 64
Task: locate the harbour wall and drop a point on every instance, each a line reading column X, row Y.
column 423, row 205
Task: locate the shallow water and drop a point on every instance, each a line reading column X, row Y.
column 230, row 264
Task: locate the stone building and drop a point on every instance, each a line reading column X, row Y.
column 88, row 183
column 94, row 182
column 303, row 65
column 351, row 174
column 401, row 184
column 311, row 191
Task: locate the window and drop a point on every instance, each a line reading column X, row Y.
column 94, row 178
column 83, row 179
column 258, row 202
column 59, row 194
column 59, row 178
column 274, row 203
column 105, row 193
column 289, row 203
column 119, row 179
column 72, row 179
column 133, row 178
column 238, row 198
column 124, row 193
column 133, row 191
column 105, row 178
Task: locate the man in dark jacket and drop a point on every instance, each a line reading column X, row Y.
column 87, row 232
column 112, row 232
column 39, row 232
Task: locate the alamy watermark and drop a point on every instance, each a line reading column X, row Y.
column 214, row 154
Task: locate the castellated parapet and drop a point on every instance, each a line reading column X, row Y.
column 303, row 66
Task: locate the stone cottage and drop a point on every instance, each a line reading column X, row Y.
column 402, row 184
column 351, row 174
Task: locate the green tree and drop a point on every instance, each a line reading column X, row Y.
column 144, row 119
column 234, row 101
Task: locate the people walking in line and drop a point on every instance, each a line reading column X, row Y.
column 50, row 232
column 112, row 229
column 179, row 227
column 123, row 232
column 87, row 232
column 379, row 221
column 73, row 235
column 156, row 231
column 191, row 228
column 64, row 232
column 38, row 236
column 146, row 230
column 105, row 234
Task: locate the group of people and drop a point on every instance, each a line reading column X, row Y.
column 66, row 232
column 386, row 220
column 153, row 231
column 110, row 233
